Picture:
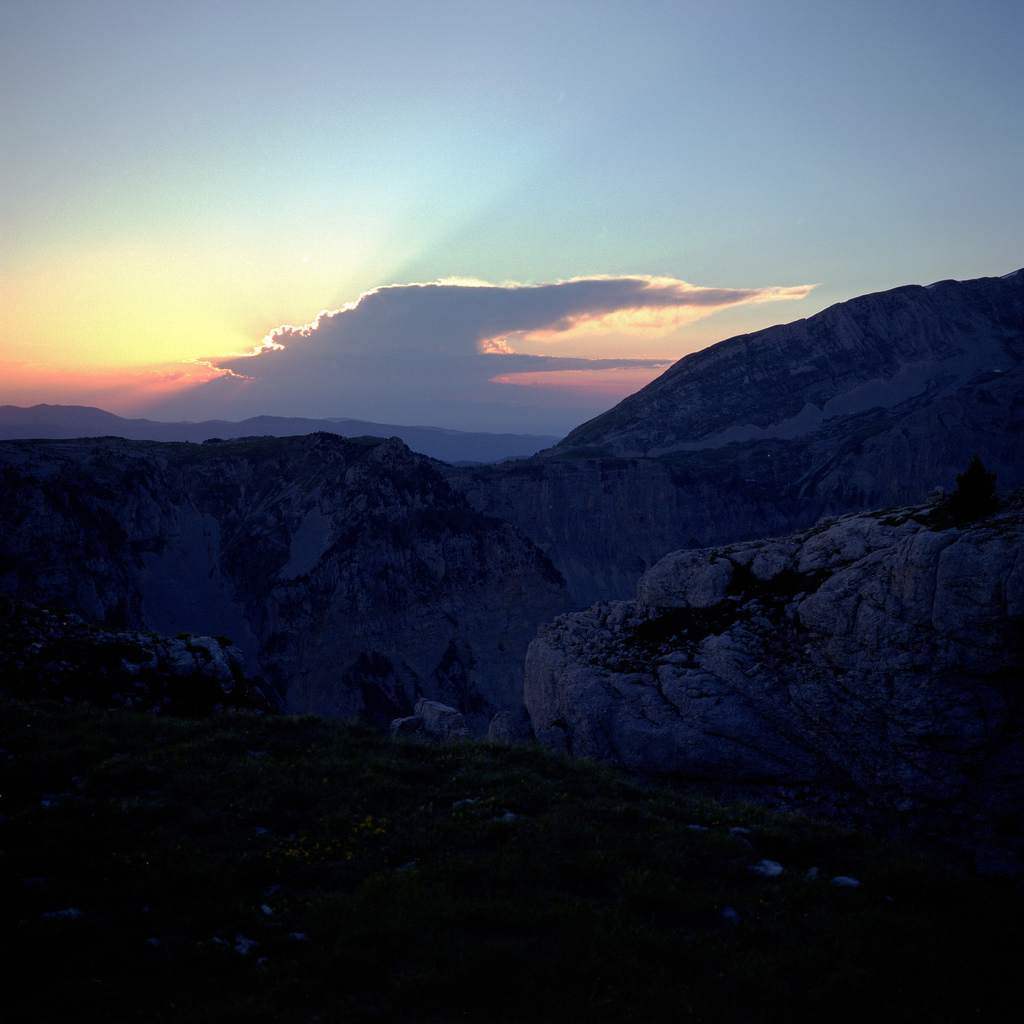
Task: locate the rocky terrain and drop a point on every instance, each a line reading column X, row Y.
column 872, row 664
column 44, row 653
column 357, row 578
column 350, row 575
column 872, row 402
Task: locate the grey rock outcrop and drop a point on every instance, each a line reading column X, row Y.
column 876, row 655
column 434, row 720
column 349, row 573
column 58, row 655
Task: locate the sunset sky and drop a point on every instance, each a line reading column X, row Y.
column 482, row 196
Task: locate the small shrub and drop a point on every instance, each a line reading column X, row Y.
column 975, row 494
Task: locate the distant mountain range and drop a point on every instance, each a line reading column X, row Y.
column 454, row 446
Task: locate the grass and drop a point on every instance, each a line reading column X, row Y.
column 417, row 883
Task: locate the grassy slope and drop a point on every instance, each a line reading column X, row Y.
column 394, row 899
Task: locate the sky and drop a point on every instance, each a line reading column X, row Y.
column 486, row 215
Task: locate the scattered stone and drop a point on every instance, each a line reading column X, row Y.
column 441, row 720
column 845, row 882
column 407, row 726
column 768, row 868
column 135, row 670
column 243, row 945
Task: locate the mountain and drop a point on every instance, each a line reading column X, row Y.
column 358, row 577
column 871, row 402
column 68, row 421
column 350, row 575
column 866, row 665
column 902, row 348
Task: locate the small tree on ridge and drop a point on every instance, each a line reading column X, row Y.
column 975, row 493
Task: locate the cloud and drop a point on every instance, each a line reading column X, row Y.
column 408, row 352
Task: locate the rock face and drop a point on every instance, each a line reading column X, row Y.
column 348, row 572
column 876, row 656
column 876, row 351
column 875, row 401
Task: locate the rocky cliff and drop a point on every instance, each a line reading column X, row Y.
column 874, row 662
column 349, row 573
column 876, row 351
column 875, row 401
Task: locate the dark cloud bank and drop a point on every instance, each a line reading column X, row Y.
column 415, row 354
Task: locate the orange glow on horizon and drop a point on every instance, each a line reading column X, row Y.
column 123, row 338
column 605, row 383
column 121, row 391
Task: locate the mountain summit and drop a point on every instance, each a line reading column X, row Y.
column 901, row 348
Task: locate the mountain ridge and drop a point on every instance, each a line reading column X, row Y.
column 875, row 350
column 920, row 379
column 71, row 421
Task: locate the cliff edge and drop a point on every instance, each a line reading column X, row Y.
column 872, row 665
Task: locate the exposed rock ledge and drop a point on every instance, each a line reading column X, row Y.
column 873, row 656
column 44, row 653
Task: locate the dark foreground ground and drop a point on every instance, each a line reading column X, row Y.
column 254, row 868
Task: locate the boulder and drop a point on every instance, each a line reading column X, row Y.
column 441, row 721
column 408, row 726
column 510, row 725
